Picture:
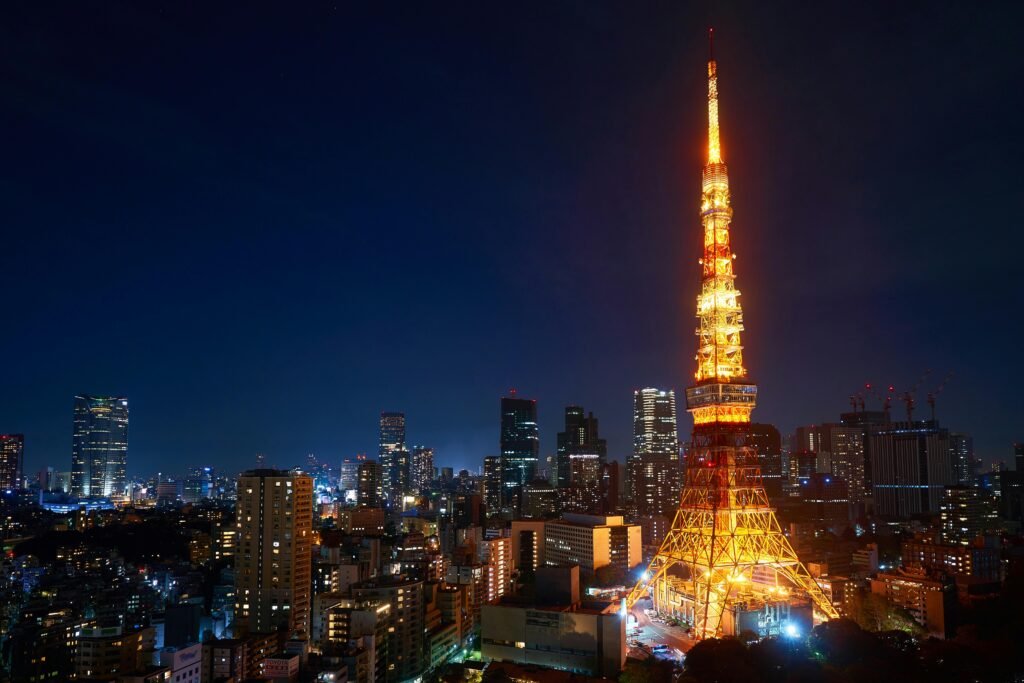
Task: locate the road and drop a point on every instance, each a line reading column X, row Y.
column 653, row 633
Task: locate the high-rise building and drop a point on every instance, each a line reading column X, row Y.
column 273, row 564
column 966, row 512
column 403, row 598
column 421, row 469
column 962, row 455
column 12, row 461
column 492, row 485
column 579, row 438
column 839, row 451
column 539, row 499
column 99, row 451
column 348, row 474
column 767, row 444
column 911, row 466
column 520, row 450
column 653, row 470
column 393, row 458
column 368, row 484
column 724, row 559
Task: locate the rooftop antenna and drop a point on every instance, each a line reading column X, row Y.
column 711, row 44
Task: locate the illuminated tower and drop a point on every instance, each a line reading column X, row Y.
column 725, row 555
column 99, row 448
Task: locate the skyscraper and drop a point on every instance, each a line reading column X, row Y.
column 767, row 443
column 393, row 458
column 962, row 454
column 273, row 566
column 368, row 486
column 579, row 438
column 911, row 466
column 99, row 451
column 653, row 470
column 348, row 474
column 492, row 485
column 421, row 468
column 520, row 449
column 838, row 450
column 12, row 460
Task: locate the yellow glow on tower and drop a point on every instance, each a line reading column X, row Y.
column 725, row 552
column 714, row 144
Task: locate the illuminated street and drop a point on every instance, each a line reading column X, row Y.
column 651, row 633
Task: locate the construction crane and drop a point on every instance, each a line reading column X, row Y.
column 908, row 396
column 857, row 399
column 934, row 393
column 886, row 400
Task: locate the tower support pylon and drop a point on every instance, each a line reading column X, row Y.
column 725, row 551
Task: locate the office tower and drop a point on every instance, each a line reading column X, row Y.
column 421, row 468
column 911, row 466
column 584, row 492
column 520, row 448
column 838, row 450
column 653, row 470
column 368, row 486
column 492, row 485
column 273, row 575
column 725, row 556
column 593, row 542
column 99, row 449
column 965, row 513
column 348, row 473
column 579, row 438
column 962, row 456
column 393, row 458
column 12, row 461
column 767, row 444
column 868, row 422
column 825, row 498
column 540, row 499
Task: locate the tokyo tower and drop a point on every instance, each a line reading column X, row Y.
column 725, row 565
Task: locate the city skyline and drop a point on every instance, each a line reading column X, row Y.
column 302, row 342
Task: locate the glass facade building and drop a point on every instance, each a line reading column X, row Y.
column 520, row 450
column 99, row 452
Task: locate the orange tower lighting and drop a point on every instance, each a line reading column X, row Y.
column 725, row 554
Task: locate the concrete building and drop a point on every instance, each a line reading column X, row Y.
column 185, row 664
column 592, row 542
column 558, row 631
column 911, row 466
column 977, row 560
column 527, row 541
column 110, row 651
column 965, row 513
column 273, row 566
column 929, row 600
column 406, row 645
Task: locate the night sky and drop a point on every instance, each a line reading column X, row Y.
column 264, row 224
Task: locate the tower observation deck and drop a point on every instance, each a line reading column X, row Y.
column 725, row 563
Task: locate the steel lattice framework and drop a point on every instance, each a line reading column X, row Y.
column 725, row 540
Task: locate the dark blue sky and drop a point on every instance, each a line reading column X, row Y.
column 266, row 223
